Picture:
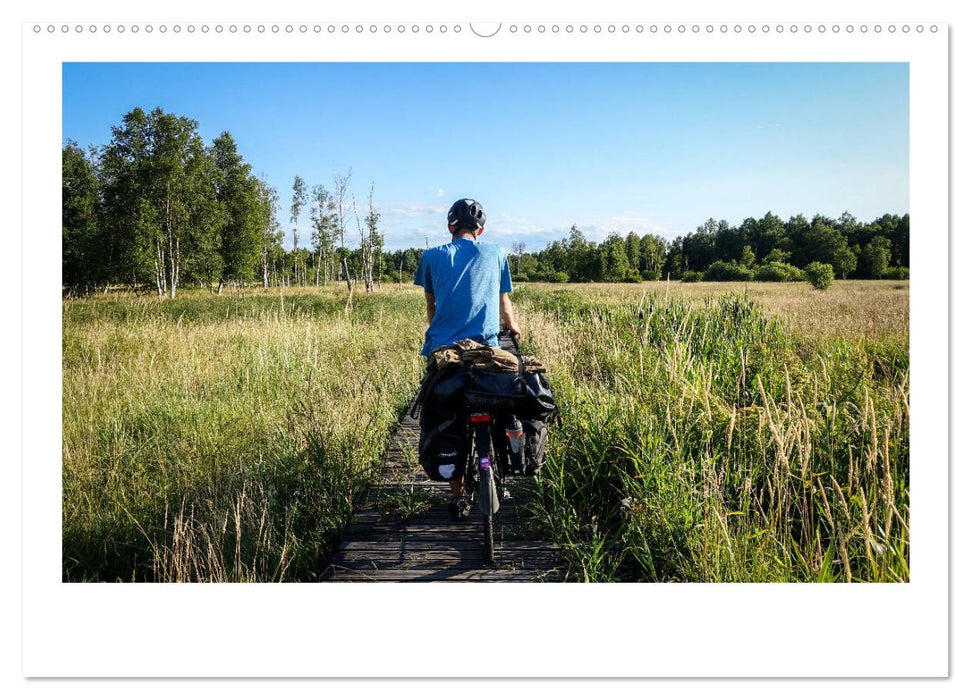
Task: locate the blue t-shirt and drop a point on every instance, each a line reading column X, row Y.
column 466, row 279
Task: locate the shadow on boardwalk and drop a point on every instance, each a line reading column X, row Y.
column 403, row 531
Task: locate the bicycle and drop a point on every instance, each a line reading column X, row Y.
column 488, row 462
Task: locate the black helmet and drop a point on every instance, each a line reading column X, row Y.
column 466, row 213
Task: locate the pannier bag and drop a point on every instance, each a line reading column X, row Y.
column 442, row 447
column 493, row 378
column 469, row 376
column 534, row 432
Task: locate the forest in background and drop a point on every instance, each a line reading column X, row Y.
column 157, row 208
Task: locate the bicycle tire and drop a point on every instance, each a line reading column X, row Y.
column 489, row 549
column 486, row 481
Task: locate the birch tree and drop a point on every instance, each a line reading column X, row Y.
column 340, row 196
column 125, row 221
column 158, row 204
column 375, row 242
column 271, row 237
column 299, row 200
column 323, row 210
column 519, row 249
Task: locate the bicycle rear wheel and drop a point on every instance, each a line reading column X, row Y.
column 489, row 553
column 487, row 495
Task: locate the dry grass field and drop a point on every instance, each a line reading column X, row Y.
column 848, row 309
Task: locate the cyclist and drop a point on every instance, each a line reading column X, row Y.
column 467, row 286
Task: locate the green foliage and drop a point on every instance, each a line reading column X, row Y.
column 777, row 255
column 157, row 207
column 777, row 272
column 710, row 443
column 653, row 250
column 323, row 217
column 722, row 271
column 226, row 438
column 844, row 261
column 897, row 273
column 159, row 218
column 822, row 241
column 691, row 276
column 820, row 275
column 81, row 258
column 614, row 265
column 238, row 192
column 401, row 505
column 632, row 246
column 876, row 257
column 748, row 257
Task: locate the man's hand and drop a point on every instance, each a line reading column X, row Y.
column 506, row 318
column 512, row 326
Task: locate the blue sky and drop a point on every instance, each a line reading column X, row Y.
column 650, row 147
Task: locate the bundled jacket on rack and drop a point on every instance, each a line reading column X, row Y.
column 517, row 382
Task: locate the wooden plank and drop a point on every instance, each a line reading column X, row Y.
column 382, row 545
column 469, row 558
column 460, row 530
column 456, row 545
column 435, row 515
column 437, row 570
column 442, row 554
column 509, row 565
column 424, row 536
column 363, row 575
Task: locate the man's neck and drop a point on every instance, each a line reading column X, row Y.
column 466, row 235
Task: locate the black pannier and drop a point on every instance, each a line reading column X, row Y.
column 527, row 394
column 534, row 432
column 442, row 448
column 450, row 390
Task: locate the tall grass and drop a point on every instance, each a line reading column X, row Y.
column 225, row 438
column 706, row 440
column 758, row 435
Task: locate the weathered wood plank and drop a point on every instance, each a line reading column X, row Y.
column 383, row 544
column 467, row 559
column 517, row 546
column 462, row 558
column 447, row 574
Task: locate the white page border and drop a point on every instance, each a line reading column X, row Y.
column 388, row 630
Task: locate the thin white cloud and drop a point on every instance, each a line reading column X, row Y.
column 595, row 229
column 439, row 192
column 412, row 210
column 410, row 224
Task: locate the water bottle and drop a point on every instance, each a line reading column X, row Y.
column 514, row 432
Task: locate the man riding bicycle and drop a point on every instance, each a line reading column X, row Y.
column 467, row 286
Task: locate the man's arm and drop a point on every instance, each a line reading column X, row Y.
column 506, row 314
column 430, row 306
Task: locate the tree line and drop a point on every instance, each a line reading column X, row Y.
column 767, row 249
column 157, row 207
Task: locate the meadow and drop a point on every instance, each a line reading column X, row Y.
column 711, row 431
column 225, row 438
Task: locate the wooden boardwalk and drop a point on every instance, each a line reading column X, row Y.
column 403, row 531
